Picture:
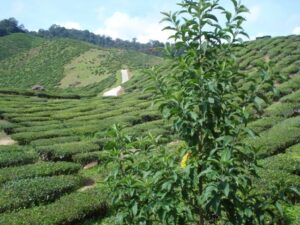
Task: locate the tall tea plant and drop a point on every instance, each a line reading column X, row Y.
column 208, row 101
column 209, row 107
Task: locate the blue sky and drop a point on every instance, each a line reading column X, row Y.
column 127, row 19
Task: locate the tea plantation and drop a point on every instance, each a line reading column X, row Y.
column 63, row 129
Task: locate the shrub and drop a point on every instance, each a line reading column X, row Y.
column 264, row 123
column 293, row 97
column 68, row 210
column 269, row 179
column 292, row 69
column 58, row 140
column 278, row 138
column 290, row 85
column 85, row 158
column 293, row 214
column 65, row 151
column 26, row 137
column 283, row 109
column 5, row 125
column 40, row 169
column 13, row 148
column 289, row 162
column 29, row 192
column 17, row 158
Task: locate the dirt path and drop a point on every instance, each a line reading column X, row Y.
column 89, row 183
column 125, row 76
column 118, row 90
column 7, row 141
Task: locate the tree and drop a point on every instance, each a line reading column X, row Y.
column 210, row 107
column 8, row 26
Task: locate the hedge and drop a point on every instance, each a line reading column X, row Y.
column 269, row 179
column 17, row 158
column 57, row 140
column 293, row 97
column 289, row 162
column 283, row 109
column 85, row 158
column 12, row 148
column 26, row 137
column 290, row 85
column 30, row 192
column 264, row 123
column 65, row 151
column 68, row 210
column 40, row 169
column 278, row 138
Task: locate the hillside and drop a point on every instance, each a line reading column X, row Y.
column 58, row 137
column 64, row 65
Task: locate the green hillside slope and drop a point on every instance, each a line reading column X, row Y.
column 26, row 61
column 56, row 138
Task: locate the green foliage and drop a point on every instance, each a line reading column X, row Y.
column 9, row 26
column 27, row 137
column 264, row 123
column 65, row 151
column 207, row 105
column 12, row 148
column 293, row 214
column 51, row 141
column 53, row 118
column 31, row 68
column 52, row 62
column 17, row 43
column 14, row 158
column 282, row 109
column 85, row 158
column 40, row 169
column 69, row 209
column 278, row 138
column 29, row 192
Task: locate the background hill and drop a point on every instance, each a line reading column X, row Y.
column 26, row 60
column 58, row 137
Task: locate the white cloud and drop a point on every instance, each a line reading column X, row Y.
column 255, row 12
column 296, row 31
column 70, row 25
column 121, row 25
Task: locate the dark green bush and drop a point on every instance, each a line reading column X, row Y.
column 282, row 109
column 293, row 214
column 289, row 162
column 30, row 192
column 13, row 148
column 58, row 140
column 264, row 123
column 65, row 151
column 85, row 158
column 68, row 210
column 17, row 158
column 26, row 137
column 293, row 97
column 5, row 125
column 278, row 138
column 290, row 85
column 269, row 179
column 40, row 169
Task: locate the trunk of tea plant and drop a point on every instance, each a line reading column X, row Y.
column 201, row 212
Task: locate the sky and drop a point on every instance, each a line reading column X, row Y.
column 127, row 19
